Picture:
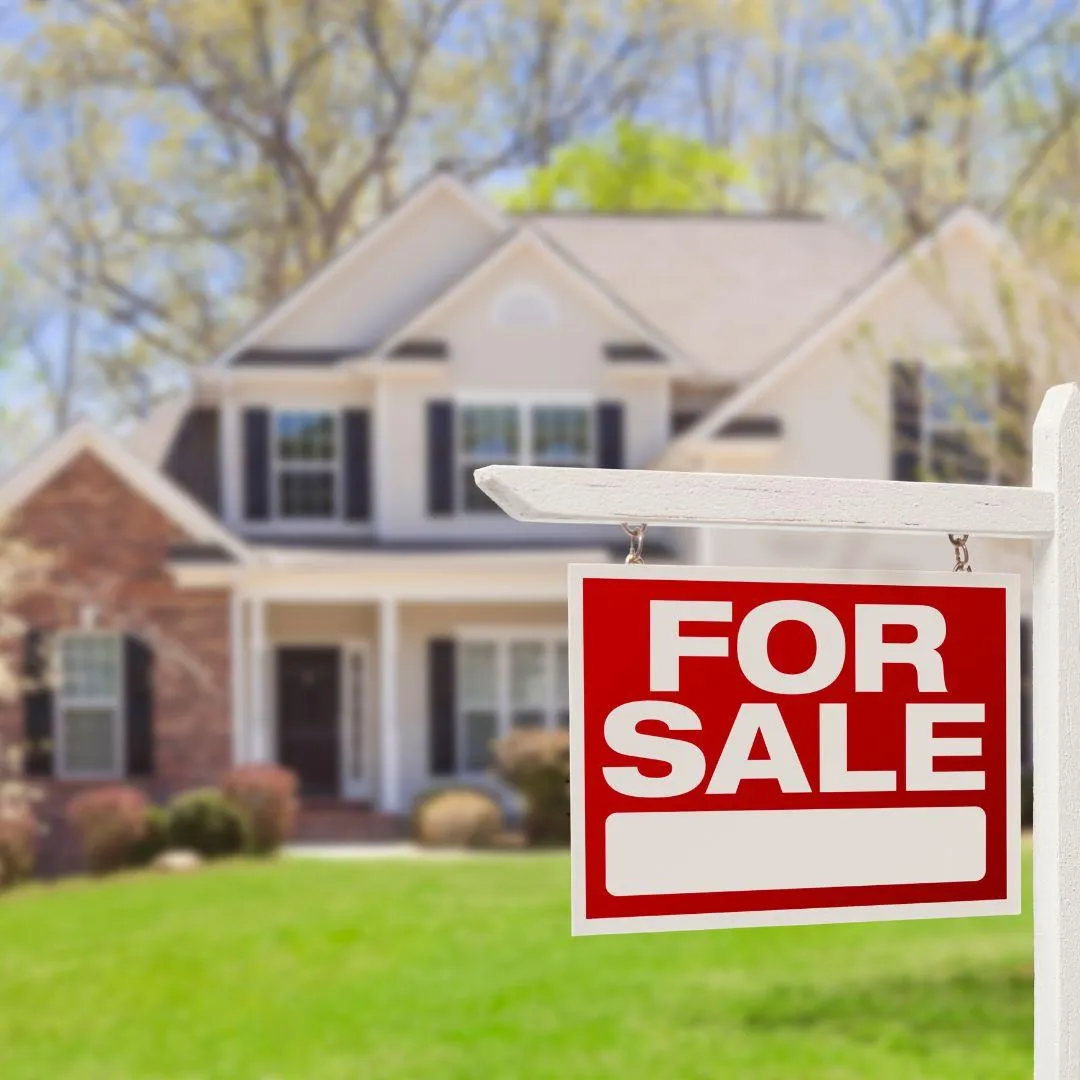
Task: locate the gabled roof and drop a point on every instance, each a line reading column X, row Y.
column 843, row 314
column 340, row 263
column 729, row 290
column 579, row 276
column 36, row 471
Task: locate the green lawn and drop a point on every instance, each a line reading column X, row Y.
column 447, row 970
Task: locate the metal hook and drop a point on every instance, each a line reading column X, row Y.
column 637, row 543
column 963, row 558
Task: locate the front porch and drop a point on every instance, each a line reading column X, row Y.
column 364, row 700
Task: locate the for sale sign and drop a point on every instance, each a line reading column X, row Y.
column 757, row 748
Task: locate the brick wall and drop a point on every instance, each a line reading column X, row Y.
column 109, row 547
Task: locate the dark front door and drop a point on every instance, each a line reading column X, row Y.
column 308, row 697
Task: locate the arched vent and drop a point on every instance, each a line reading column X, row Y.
column 523, row 305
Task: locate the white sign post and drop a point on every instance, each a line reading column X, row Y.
column 1048, row 513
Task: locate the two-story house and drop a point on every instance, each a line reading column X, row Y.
column 293, row 564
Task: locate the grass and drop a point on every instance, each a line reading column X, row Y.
column 464, row 970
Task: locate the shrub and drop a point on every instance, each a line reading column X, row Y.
column 204, row 820
column 457, row 817
column 266, row 795
column 111, row 823
column 536, row 762
column 19, row 826
column 18, row 848
column 155, row 837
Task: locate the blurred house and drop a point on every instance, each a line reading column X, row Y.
column 293, row 564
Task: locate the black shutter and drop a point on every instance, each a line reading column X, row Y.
column 442, row 694
column 256, row 464
column 906, row 401
column 609, row 435
column 37, row 704
column 1013, row 428
column 357, row 465
column 139, row 707
column 440, row 458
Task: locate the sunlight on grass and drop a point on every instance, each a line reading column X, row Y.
column 465, row 969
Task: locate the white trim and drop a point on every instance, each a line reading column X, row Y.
column 788, row 362
column 441, row 182
column 36, row 471
column 581, row 925
column 117, row 704
column 530, row 239
column 390, row 792
column 263, row 727
column 357, row 787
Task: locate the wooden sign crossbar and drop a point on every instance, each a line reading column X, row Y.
column 1048, row 513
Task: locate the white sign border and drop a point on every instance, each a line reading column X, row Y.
column 581, row 926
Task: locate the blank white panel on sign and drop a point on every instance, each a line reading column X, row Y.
column 710, row 851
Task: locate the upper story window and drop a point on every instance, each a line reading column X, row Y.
column 306, row 464
column 960, row 422
column 89, row 694
column 520, row 435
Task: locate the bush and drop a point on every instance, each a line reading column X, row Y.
column 536, row 763
column 266, row 795
column 18, row 848
column 204, row 820
column 457, row 817
column 155, row 837
column 111, row 823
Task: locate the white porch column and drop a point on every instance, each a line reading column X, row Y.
column 389, row 728
column 259, row 726
column 238, row 678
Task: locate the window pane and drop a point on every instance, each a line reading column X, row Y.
column 89, row 741
column 957, row 396
column 528, row 683
column 480, row 730
column 490, row 432
column 305, row 436
column 306, row 494
column 476, row 672
column 560, row 435
column 562, row 684
column 472, row 497
column 90, row 667
column 959, row 457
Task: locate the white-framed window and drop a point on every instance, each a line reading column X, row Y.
column 306, row 464
column 506, row 682
column 541, row 433
column 88, row 724
column 959, row 423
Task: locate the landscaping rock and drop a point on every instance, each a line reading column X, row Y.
column 177, row 861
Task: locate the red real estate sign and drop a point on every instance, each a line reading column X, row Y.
column 754, row 748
